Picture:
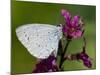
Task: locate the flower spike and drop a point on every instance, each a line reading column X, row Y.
column 73, row 27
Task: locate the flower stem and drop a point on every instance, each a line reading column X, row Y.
column 63, row 54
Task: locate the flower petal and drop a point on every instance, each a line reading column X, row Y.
column 79, row 33
column 76, row 34
column 87, row 63
column 75, row 20
column 64, row 29
column 46, row 65
column 66, row 15
column 73, row 34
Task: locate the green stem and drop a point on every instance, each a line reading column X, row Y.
column 63, row 54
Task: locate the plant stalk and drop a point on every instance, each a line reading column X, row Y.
column 63, row 54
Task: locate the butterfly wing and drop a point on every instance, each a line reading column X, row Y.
column 40, row 39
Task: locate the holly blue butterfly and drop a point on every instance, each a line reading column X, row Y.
column 40, row 39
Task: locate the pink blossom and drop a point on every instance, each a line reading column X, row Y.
column 73, row 27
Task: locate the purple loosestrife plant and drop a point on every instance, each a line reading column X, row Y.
column 72, row 29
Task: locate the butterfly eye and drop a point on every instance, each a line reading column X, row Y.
column 60, row 25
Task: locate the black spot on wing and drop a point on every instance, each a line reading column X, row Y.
column 28, row 38
column 25, row 35
column 39, row 45
column 46, row 45
column 48, row 32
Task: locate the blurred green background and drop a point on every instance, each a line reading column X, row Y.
column 49, row 13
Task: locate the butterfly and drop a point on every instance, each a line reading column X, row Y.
column 41, row 40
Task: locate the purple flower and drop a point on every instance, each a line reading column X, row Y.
column 73, row 27
column 46, row 65
column 85, row 58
